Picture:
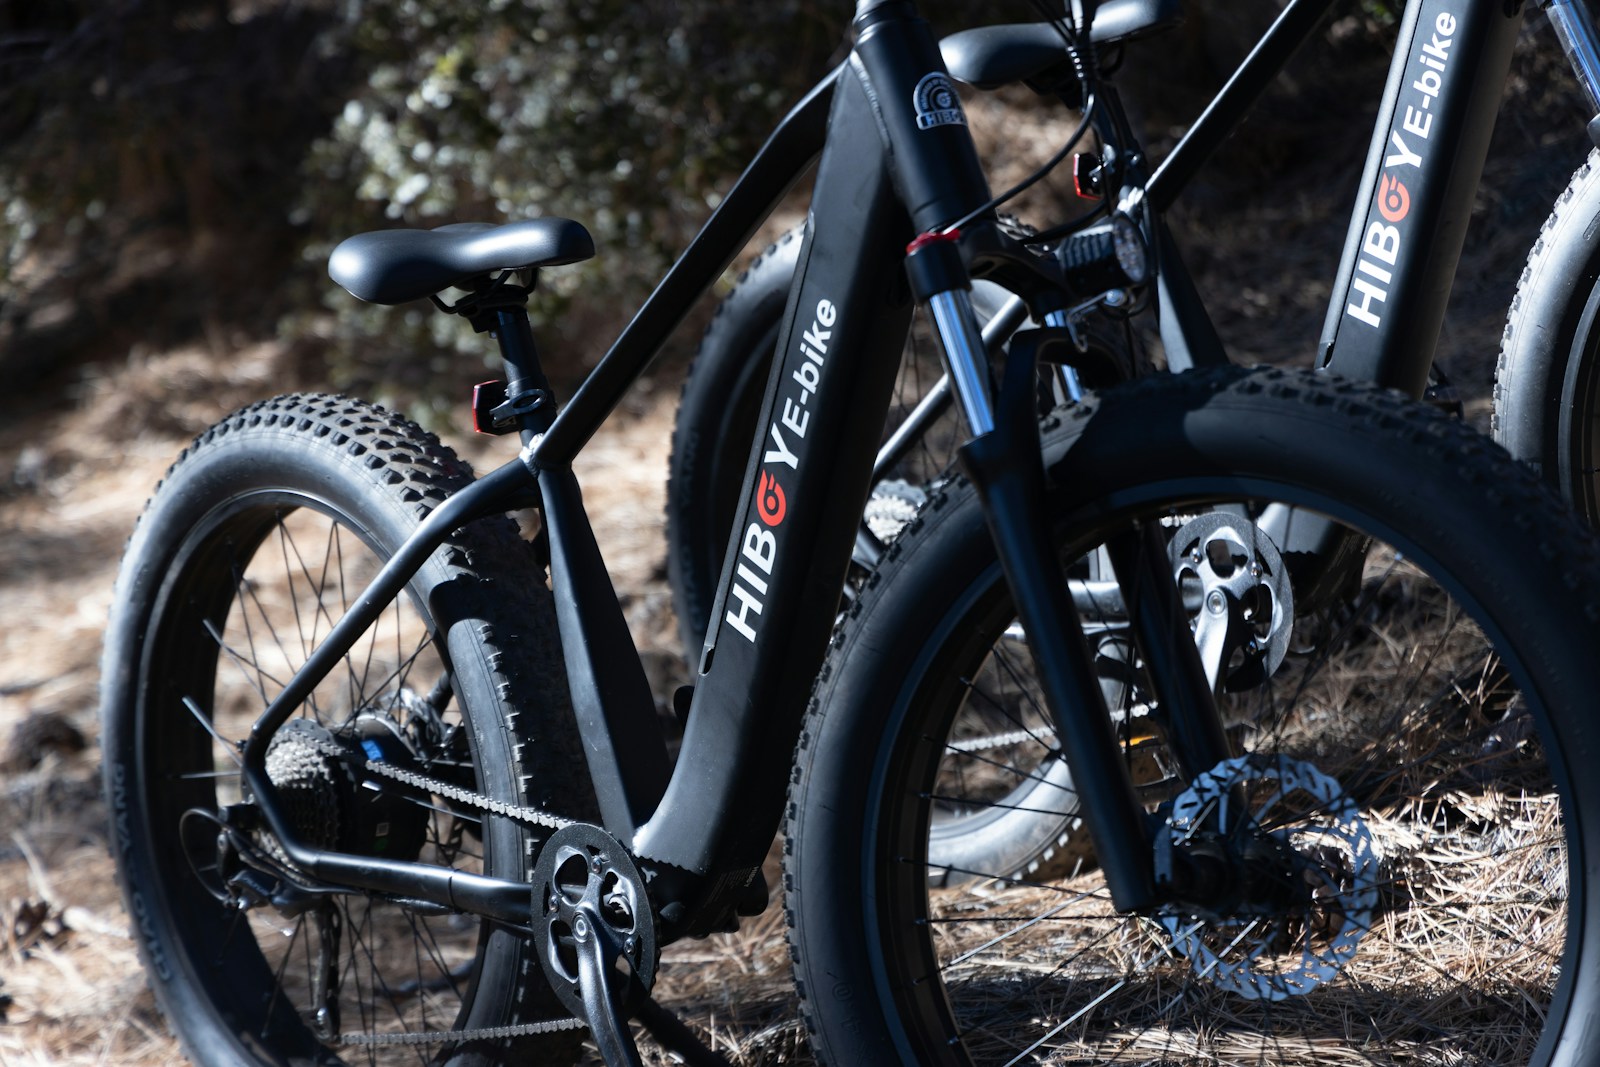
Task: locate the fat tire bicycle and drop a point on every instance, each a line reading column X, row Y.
column 1545, row 409
column 387, row 783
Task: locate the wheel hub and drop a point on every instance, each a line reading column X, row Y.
column 330, row 803
column 1246, row 607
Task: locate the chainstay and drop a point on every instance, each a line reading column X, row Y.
column 440, row 1037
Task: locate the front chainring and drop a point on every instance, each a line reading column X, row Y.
column 584, row 873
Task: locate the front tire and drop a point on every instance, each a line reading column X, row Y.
column 259, row 538
column 1449, row 702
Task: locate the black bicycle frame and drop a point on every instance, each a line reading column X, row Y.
column 711, row 819
column 1452, row 99
column 1417, row 189
column 1422, row 170
column 895, row 161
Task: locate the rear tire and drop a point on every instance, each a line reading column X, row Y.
column 1547, row 382
column 258, row 539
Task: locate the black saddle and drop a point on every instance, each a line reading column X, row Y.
column 394, row 266
column 991, row 56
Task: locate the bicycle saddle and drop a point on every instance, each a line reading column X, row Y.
column 991, row 56
column 394, row 266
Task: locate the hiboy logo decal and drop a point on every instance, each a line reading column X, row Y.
column 1408, row 144
column 759, row 547
column 937, row 103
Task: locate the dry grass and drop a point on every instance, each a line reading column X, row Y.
column 70, row 982
column 71, row 990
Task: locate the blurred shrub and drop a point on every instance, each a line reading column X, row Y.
column 173, row 168
column 148, row 154
column 204, row 155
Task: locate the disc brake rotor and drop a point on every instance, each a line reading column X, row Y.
column 1296, row 811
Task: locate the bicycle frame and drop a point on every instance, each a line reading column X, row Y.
column 707, row 823
column 1429, row 143
column 714, row 817
column 1398, row 306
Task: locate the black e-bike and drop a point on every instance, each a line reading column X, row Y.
column 387, row 783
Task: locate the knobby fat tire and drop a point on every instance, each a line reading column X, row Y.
column 1497, row 537
column 378, row 475
column 1547, row 379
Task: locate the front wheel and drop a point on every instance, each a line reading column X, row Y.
column 1402, row 818
column 262, row 535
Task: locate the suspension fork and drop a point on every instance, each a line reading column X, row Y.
column 1003, row 461
column 1578, row 40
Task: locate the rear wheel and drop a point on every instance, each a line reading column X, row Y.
column 259, row 539
column 1406, row 875
column 1547, row 383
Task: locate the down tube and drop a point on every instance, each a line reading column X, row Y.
column 1417, row 190
column 808, row 473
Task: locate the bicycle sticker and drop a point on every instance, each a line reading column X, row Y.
column 936, row 103
column 1379, row 262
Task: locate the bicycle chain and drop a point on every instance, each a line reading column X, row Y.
column 449, row 792
column 467, row 796
column 488, row 1033
column 483, row 803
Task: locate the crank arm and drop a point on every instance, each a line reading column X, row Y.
column 608, row 1017
column 602, row 1007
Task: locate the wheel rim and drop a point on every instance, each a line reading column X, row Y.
column 1579, row 421
column 1042, row 971
column 253, row 590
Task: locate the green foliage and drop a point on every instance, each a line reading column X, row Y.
column 231, row 143
column 1385, row 13
column 628, row 117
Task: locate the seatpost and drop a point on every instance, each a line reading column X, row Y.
column 527, row 389
column 525, row 403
